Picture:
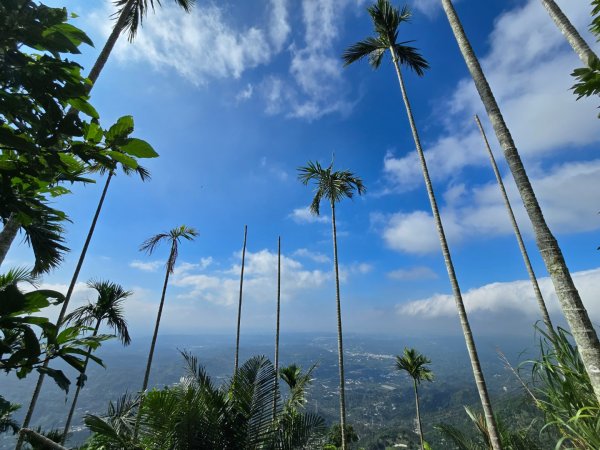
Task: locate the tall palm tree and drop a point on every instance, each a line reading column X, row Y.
column 415, row 364
column 109, row 308
column 333, row 186
column 583, row 50
column 239, row 316
column 276, row 384
column 513, row 220
column 386, row 20
column 144, row 175
column 577, row 317
column 173, row 237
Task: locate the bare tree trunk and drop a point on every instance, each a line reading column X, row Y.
column 277, row 327
column 79, row 387
column 63, row 310
column 419, row 415
column 110, row 43
column 513, row 220
column 462, row 313
column 7, row 235
column 339, row 331
column 239, row 316
column 152, row 346
column 579, row 45
column 581, row 327
column 40, row 439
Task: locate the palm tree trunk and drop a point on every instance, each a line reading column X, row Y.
column 151, row 353
column 339, row 330
column 110, row 43
column 418, row 415
column 63, row 310
column 7, row 235
column 79, row 386
column 579, row 45
column 513, row 220
column 277, row 327
column 462, row 313
column 239, row 317
column 581, row 327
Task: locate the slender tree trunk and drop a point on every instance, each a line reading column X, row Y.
column 239, row 316
column 63, row 310
column 152, row 346
column 79, row 386
column 462, row 313
column 339, row 330
column 418, row 415
column 7, row 235
column 513, row 220
column 581, row 327
column 277, row 327
column 579, row 45
column 40, row 439
column 110, row 43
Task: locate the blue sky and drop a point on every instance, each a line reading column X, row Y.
column 235, row 97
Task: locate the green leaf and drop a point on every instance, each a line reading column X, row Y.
column 121, row 129
column 82, row 105
column 58, row 376
column 123, row 159
column 93, row 133
column 138, row 148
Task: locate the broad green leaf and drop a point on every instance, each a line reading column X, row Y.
column 83, row 106
column 123, row 159
column 93, row 133
column 57, row 375
column 121, row 129
column 138, row 148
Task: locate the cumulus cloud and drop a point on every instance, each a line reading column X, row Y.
column 205, row 46
column 528, row 67
column 413, row 274
column 260, row 278
column 303, row 215
column 313, row 256
column 516, row 297
column 146, row 266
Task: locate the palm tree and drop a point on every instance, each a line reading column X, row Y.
column 581, row 327
column 298, row 382
column 144, row 175
column 276, row 384
column 386, row 20
column 333, row 186
column 109, row 308
column 239, row 316
column 583, row 50
column 415, row 364
column 174, row 237
column 513, row 220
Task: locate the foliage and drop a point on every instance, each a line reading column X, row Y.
column 298, row 383
column 6, row 421
column 415, row 364
column 21, row 349
column 386, row 20
column 44, row 141
column 564, row 393
column 173, row 236
column 332, row 186
column 511, row 439
column 334, row 436
column 588, row 78
column 195, row 414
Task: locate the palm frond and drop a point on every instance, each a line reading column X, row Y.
column 45, row 236
column 17, row 275
column 411, row 58
column 371, row 48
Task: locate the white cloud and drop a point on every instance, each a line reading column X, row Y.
column 245, row 94
column 279, row 29
column 146, row 266
column 412, row 274
column 314, row 256
column 274, row 169
column 199, row 46
column 303, row 215
column 515, row 297
column 415, row 232
column 260, row 278
column 528, row 67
